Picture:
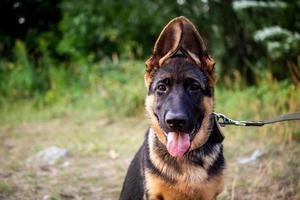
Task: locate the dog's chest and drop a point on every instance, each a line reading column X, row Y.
column 186, row 179
column 187, row 187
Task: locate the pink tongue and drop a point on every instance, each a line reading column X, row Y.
column 178, row 143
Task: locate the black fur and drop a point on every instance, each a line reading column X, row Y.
column 133, row 186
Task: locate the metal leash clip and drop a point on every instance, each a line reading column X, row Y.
column 224, row 120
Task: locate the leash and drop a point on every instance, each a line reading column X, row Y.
column 223, row 120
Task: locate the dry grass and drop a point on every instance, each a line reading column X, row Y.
column 273, row 176
column 100, row 152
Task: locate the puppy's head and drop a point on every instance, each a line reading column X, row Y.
column 180, row 80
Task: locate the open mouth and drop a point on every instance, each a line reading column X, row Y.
column 178, row 143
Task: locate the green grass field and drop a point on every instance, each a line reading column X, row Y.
column 94, row 126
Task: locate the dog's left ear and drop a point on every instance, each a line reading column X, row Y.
column 180, row 34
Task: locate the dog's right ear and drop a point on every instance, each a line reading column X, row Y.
column 167, row 43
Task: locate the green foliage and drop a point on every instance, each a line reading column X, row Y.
column 18, row 76
column 119, row 87
column 269, row 99
column 275, row 31
column 85, row 40
column 98, row 29
column 123, row 89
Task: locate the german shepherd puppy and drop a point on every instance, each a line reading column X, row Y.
column 182, row 155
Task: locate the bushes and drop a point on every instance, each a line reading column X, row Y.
column 122, row 88
column 116, row 87
column 17, row 77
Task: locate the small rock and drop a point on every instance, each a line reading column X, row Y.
column 254, row 156
column 66, row 164
column 48, row 156
column 113, row 154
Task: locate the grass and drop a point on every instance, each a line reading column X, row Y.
column 102, row 145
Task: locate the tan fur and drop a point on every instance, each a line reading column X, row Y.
column 202, row 135
column 204, row 190
column 157, row 161
column 147, row 79
column 153, row 121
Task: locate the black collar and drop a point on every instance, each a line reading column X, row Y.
column 216, row 135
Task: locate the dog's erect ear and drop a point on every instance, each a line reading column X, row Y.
column 166, row 44
column 179, row 34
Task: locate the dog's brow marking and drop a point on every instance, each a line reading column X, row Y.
column 165, row 76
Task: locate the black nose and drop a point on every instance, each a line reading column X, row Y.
column 176, row 121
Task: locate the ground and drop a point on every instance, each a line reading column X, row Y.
column 100, row 151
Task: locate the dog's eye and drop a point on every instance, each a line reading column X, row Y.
column 192, row 85
column 195, row 87
column 162, row 88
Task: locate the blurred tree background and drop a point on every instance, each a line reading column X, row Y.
column 48, row 46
